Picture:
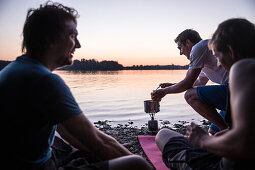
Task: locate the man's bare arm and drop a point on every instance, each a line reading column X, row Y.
column 70, row 138
column 88, row 136
column 201, row 81
column 185, row 84
column 239, row 141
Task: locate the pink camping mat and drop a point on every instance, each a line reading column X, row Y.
column 151, row 150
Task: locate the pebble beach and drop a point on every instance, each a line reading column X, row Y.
column 127, row 134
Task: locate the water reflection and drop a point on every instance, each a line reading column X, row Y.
column 119, row 95
column 87, row 72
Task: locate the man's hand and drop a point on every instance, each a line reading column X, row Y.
column 164, row 85
column 195, row 134
column 157, row 95
column 221, row 132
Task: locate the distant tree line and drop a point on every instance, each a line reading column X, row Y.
column 157, row 67
column 94, row 65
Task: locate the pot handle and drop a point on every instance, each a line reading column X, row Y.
column 157, row 87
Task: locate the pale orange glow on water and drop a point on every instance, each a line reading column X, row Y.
column 118, row 95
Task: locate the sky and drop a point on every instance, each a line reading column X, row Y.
column 131, row 32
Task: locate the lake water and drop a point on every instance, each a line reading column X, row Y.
column 118, row 96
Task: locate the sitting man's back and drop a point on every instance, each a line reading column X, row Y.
column 35, row 103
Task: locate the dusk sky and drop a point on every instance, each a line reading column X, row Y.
column 132, row 32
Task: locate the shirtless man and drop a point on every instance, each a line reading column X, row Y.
column 233, row 43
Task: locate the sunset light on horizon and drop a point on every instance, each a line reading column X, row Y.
column 132, row 32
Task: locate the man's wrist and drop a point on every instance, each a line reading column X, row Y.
column 167, row 90
column 202, row 143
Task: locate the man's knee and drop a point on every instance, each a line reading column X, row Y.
column 161, row 134
column 191, row 95
column 138, row 161
column 129, row 162
column 163, row 137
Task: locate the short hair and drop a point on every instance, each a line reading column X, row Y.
column 44, row 26
column 238, row 33
column 190, row 34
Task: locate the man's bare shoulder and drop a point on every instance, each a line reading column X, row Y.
column 244, row 64
column 243, row 69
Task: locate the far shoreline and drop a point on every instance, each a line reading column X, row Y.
column 105, row 65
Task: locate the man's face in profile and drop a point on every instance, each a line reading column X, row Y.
column 184, row 49
column 65, row 48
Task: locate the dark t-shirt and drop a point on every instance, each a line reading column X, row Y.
column 33, row 101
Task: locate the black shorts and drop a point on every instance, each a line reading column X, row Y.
column 178, row 153
column 64, row 158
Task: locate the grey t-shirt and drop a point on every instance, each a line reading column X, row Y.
column 201, row 57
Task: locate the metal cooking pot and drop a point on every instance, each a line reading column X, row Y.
column 151, row 106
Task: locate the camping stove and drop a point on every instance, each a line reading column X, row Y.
column 152, row 107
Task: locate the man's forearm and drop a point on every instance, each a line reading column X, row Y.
column 110, row 147
column 70, row 138
column 178, row 87
column 227, row 145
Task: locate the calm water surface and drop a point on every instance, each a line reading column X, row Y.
column 118, row 96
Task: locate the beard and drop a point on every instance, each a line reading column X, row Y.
column 69, row 61
column 64, row 61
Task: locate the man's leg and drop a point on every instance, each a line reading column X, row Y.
column 129, row 162
column 214, row 129
column 207, row 111
column 178, row 153
column 163, row 137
